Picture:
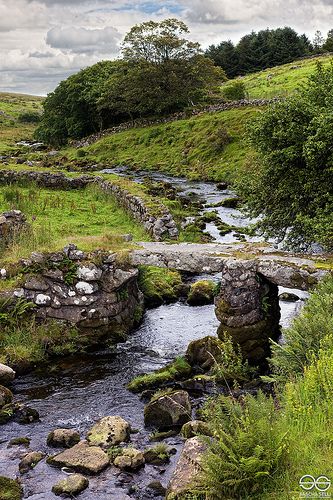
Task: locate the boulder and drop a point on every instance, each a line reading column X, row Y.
column 157, row 489
column 70, row 486
column 30, row 461
column 7, row 375
column 158, row 455
column 81, row 458
column 6, row 396
column 109, row 431
column 168, row 411
column 186, row 476
column 201, row 293
column 25, row 414
column 203, row 352
column 63, row 438
column 130, row 459
column 195, row 428
column 10, row 489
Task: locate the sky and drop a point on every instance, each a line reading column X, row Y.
column 44, row 41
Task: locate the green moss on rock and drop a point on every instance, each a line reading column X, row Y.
column 202, row 292
column 159, row 285
column 10, row 489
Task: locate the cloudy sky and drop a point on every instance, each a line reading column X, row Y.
column 44, row 41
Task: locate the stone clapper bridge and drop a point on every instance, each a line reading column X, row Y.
column 247, row 305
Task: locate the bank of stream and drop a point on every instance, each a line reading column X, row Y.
column 76, row 392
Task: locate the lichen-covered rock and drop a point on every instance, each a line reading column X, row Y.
column 6, row 396
column 19, row 441
column 195, row 428
column 63, row 438
column 7, row 374
column 187, row 474
column 30, row 461
column 203, row 352
column 201, row 293
column 168, row 411
column 10, row 489
column 109, row 431
column 130, row 459
column 81, row 458
column 70, row 486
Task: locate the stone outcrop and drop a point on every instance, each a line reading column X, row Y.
column 68, row 286
column 7, row 374
column 6, row 396
column 109, row 431
column 81, row 458
column 11, row 224
column 159, row 223
column 186, row 477
column 63, row 438
column 248, row 309
column 168, row 411
column 70, row 486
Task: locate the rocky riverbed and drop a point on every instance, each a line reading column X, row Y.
column 74, row 393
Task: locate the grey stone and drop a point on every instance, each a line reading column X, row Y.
column 7, row 374
column 70, row 486
column 109, row 431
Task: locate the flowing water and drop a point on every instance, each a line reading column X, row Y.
column 75, row 392
column 207, row 192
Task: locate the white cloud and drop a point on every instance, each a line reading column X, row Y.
column 83, row 40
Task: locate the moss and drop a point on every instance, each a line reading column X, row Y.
column 10, row 489
column 159, row 285
column 160, row 435
column 180, row 368
column 202, row 292
column 20, row 441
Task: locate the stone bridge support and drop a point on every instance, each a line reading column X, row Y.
column 248, row 309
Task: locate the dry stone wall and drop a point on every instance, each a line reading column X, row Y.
column 161, row 226
column 11, row 223
column 91, row 292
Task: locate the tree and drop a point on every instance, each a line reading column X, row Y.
column 226, row 56
column 290, row 185
column 318, row 42
column 328, row 45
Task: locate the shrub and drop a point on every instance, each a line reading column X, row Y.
column 248, row 446
column 29, row 117
column 306, row 335
column 234, row 91
column 229, row 365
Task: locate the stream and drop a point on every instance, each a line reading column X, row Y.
column 206, row 192
column 76, row 392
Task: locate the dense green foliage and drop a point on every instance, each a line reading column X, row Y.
column 291, row 184
column 263, row 447
column 161, row 72
column 261, row 50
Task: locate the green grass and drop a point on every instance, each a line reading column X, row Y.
column 12, row 106
column 205, row 147
column 281, row 81
column 89, row 218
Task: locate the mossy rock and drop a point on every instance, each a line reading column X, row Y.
column 178, row 369
column 159, row 285
column 10, row 489
column 203, row 352
column 202, row 292
column 195, row 428
column 19, row 441
column 168, row 411
column 6, row 396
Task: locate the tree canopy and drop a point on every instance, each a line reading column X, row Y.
column 257, row 51
column 290, row 185
column 161, row 72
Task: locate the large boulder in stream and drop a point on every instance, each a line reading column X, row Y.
column 70, row 486
column 109, row 431
column 204, row 352
column 81, row 458
column 168, row 411
column 30, row 460
column 186, row 476
column 130, row 459
column 63, row 438
column 202, row 293
column 7, row 374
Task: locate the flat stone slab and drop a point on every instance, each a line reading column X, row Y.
column 81, row 458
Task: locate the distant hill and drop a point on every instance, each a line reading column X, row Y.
column 15, row 112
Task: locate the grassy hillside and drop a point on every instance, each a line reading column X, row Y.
column 281, row 80
column 210, row 146
column 13, row 126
